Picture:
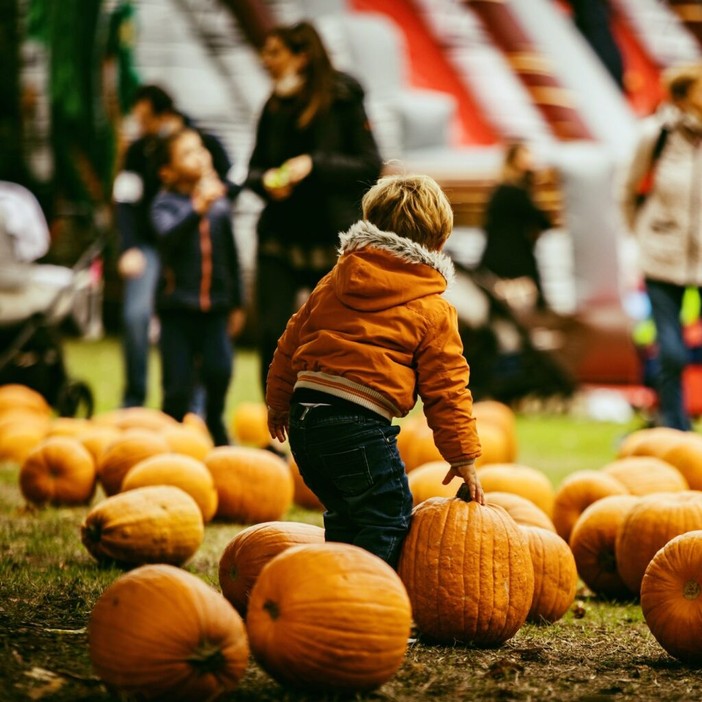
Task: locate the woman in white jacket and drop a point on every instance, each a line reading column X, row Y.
column 662, row 204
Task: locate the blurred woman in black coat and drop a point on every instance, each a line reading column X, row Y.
column 314, row 158
column 513, row 222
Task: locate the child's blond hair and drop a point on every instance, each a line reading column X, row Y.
column 412, row 206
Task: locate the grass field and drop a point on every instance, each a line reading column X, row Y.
column 49, row 583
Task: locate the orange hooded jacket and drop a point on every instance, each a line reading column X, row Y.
column 377, row 331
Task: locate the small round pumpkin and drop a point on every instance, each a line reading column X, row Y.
column 162, row 633
column 418, row 444
column 592, row 541
column 123, row 453
column 671, row 597
column 555, row 575
column 643, row 475
column 494, row 412
column 253, row 485
column 185, row 472
column 523, row 511
column 578, row 491
column 521, row 480
column 426, row 481
column 686, row 456
column 187, row 440
column 157, row 524
column 59, row 471
column 245, row 555
column 144, row 418
column 649, row 525
column 302, row 495
column 249, row 424
column 473, row 584
column 20, row 434
column 651, row 441
column 14, row 396
column 329, row 617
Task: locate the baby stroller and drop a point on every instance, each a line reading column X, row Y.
column 508, row 360
column 34, row 300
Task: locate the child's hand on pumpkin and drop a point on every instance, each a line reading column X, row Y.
column 470, row 478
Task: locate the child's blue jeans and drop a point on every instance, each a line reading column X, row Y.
column 350, row 460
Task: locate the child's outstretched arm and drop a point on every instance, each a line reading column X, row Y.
column 470, row 477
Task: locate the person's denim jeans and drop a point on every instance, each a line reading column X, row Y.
column 673, row 354
column 137, row 311
column 351, row 462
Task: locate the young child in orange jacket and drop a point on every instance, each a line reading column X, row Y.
column 374, row 334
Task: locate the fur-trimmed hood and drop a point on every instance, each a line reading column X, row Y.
column 379, row 269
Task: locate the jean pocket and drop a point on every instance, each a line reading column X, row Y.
column 349, row 471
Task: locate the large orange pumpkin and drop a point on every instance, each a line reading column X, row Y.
column 302, row 495
column 123, row 453
column 468, row 571
column 593, row 540
column 329, row 617
column 20, row 433
column 161, row 633
column 686, row 456
column 521, row 480
column 253, row 485
column 144, row 418
column 578, row 491
column 245, row 555
column 671, row 597
column 555, row 575
column 67, row 426
column 59, row 471
column 497, row 446
column 416, row 443
column 651, row 441
column 649, row 525
column 96, row 438
column 159, row 524
column 523, row 511
column 185, row 472
column 643, row 475
column 501, row 414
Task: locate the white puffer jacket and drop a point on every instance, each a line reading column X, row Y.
column 668, row 226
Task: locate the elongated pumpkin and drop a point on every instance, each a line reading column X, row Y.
column 329, row 617
column 157, row 524
column 161, row 633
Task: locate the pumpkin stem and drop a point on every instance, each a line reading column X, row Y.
column 691, row 590
column 207, row 658
column 464, row 493
column 272, row 609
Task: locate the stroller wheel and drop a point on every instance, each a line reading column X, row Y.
column 74, row 398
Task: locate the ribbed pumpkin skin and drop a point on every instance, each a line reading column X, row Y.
column 593, row 540
column 523, row 511
column 302, row 495
column 125, row 452
column 644, row 475
column 671, row 597
column 162, row 633
column 253, row 484
column 648, row 526
column 521, row 480
column 184, row 472
column 329, row 617
column 248, row 552
column 468, row 572
column 160, row 524
column 59, row 471
column 577, row 492
column 686, row 456
column 555, row 575
column 425, row 482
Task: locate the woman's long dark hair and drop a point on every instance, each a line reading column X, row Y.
column 318, row 73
